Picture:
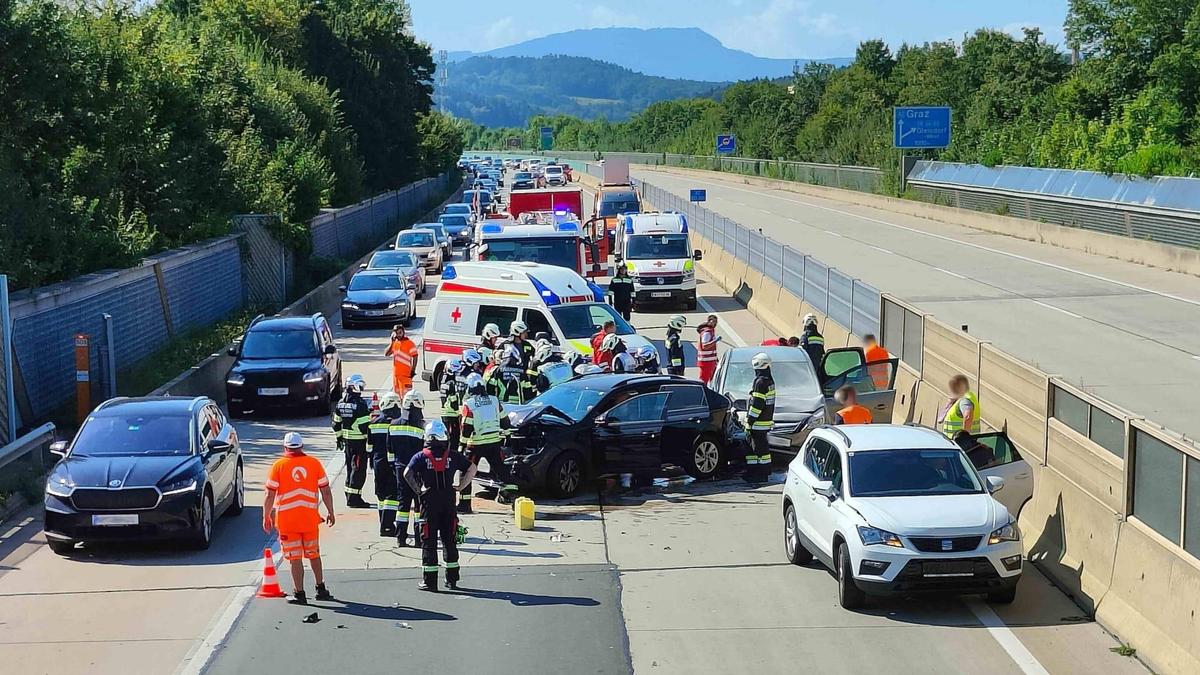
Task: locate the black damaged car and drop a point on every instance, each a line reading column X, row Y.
column 145, row 468
column 617, row 423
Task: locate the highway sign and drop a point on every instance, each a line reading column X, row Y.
column 547, row 134
column 514, row 142
column 920, row 126
column 698, row 195
column 726, row 144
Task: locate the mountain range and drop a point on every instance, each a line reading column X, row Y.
column 679, row 53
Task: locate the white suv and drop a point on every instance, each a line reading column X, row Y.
column 898, row 509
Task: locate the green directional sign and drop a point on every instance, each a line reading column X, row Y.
column 547, row 135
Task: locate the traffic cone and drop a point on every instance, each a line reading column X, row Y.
column 270, row 584
column 375, row 401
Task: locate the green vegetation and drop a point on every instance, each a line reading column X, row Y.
column 507, row 91
column 20, row 478
column 1131, row 104
column 132, row 127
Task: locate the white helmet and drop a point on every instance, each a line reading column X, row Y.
column 454, row 366
column 435, row 430
column 413, row 400
column 498, row 354
column 760, row 361
column 588, row 369
column 490, row 331
column 517, row 327
column 474, row 382
column 646, row 352
column 543, row 350
column 390, row 400
column 356, row 383
column 471, row 357
column 610, row 342
column 293, row 440
column 677, row 321
column 810, row 319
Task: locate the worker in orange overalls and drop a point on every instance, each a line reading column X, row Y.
column 404, row 360
column 875, row 354
column 292, row 487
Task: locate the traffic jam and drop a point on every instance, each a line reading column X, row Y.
column 517, row 375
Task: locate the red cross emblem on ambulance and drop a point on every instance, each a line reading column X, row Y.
column 456, row 315
column 659, row 263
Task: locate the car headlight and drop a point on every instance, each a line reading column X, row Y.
column 872, row 536
column 349, row 305
column 178, row 487
column 236, row 379
column 313, row 376
column 59, row 486
column 1007, row 533
column 689, row 274
column 814, row 420
column 398, row 303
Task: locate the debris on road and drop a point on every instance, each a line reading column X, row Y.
column 311, row 618
column 403, row 624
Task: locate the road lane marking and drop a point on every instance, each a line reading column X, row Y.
column 883, row 250
column 833, row 234
column 1057, row 309
column 946, row 271
column 1008, row 640
column 1016, row 256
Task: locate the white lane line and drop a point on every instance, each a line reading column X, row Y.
column 765, row 211
column 1008, row 641
column 833, row 234
column 724, row 327
column 1057, row 309
column 1015, row 256
column 11, row 532
column 946, row 271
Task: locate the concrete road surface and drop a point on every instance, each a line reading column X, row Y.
column 675, row 577
column 1123, row 331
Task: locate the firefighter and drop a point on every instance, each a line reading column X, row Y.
column 473, row 361
column 512, row 373
column 551, row 368
column 495, row 384
column 760, row 419
column 386, row 491
column 349, row 415
column 489, row 337
column 812, row 341
column 675, row 344
column 451, row 401
column 482, row 420
column 405, row 434
column 622, row 360
column 430, row 475
column 647, row 360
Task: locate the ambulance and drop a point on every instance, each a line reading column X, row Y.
column 548, row 298
column 657, row 251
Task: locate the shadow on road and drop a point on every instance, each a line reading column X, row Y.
column 525, row 599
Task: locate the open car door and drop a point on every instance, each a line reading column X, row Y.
column 995, row 455
column 874, row 382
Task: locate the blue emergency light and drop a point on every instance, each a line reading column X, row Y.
column 568, row 227
column 492, row 228
column 448, row 272
column 548, row 296
column 597, row 292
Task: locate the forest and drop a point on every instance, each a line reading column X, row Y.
column 132, row 127
column 1121, row 96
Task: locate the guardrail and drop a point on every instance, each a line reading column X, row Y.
column 33, row 443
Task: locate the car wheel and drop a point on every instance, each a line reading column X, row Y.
column 61, row 547
column 849, row 595
column 796, row 553
column 202, row 535
column 408, row 317
column 565, row 475
column 1004, row 597
column 239, row 493
column 705, row 458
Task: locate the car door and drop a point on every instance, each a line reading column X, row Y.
column 627, row 437
column 847, row 366
column 216, row 462
column 823, row 516
column 995, row 454
column 810, row 506
column 687, row 417
column 330, row 357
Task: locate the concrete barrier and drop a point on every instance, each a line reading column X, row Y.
column 1014, row 397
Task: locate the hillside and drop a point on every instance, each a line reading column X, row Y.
column 508, row 91
column 683, row 53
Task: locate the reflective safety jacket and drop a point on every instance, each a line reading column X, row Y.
column 706, row 349
column 482, row 417
column 551, row 372
column 405, row 434
column 674, row 349
column 953, row 423
column 761, row 411
column 297, row 480
column 451, row 401
column 377, row 434
column 350, row 416
column 814, row 344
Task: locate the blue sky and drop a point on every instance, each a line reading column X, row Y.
column 776, row 28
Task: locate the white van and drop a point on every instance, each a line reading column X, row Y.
column 657, row 251
column 547, row 298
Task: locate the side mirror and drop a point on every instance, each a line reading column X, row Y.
column 391, row 247
column 619, row 258
column 698, row 255
column 601, row 421
column 330, row 349
column 741, row 405
column 825, row 489
column 216, row 447
column 362, row 266
column 341, row 289
column 233, row 350
column 995, row 484
column 58, row 448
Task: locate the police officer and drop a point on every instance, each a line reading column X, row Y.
column 386, row 490
column 350, row 415
column 760, row 418
column 621, row 289
column 812, row 341
column 489, row 337
column 647, row 360
column 675, row 344
column 623, row 361
column 430, row 475
column 405, row 434
column 482, row 421
column 550, row 367
column 451, row 401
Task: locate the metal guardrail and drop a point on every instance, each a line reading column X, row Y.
column 35, row 442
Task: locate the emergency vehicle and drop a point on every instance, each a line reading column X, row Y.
column 546, row 199
column 657, row 251
column 549, row 299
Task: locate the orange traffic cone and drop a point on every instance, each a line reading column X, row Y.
column 270, row 584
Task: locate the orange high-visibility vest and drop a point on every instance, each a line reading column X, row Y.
column 404, row 357
column 855, row 414
column 879, row 373
column 297, row 480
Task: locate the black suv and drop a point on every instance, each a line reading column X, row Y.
column 145, row 468
column 284, row 362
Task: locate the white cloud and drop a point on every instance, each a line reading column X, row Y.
column 788, row 28
column 504, row 32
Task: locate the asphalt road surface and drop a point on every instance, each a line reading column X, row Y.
column 675, row 577
column 1123, row 331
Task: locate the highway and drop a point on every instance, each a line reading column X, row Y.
column 1123, row 331
column 677, row 577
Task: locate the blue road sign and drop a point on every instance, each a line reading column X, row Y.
column 920, row 126
column 726, row 144
column 698, row 195
column 547, row 134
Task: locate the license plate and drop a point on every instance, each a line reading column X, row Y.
column 273, row 391
column 948, row 568
column 660, row 294
column 372, row 312
column 115, row 519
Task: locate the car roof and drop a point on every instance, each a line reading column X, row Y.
column 378, row 272
column 418, row 230
column 610, row 380
column 870, row 437
column 781, row 354
column 284, row 323
column 149, row 405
